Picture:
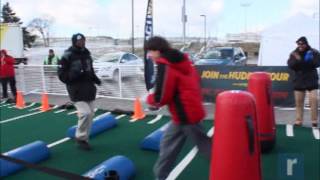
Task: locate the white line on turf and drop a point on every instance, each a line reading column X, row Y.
column 120, row 116
column 12, row 107
column 23, row 116
column 316, row 133
column 58, row 142
column 186, row 160
column 155, row 119
column 73, row 112
column 15, row 106
column 289, row 130
column 6, row 105
column 59, row 111
column 165, row 126
column 183, row 164
column 30, row 105
column 133, row 120
column 35, row 108
column 19, row 117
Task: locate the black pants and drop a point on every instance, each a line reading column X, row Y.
column 12, row 82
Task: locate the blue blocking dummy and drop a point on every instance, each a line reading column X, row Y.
column 118, row 167
column 100, row 124
column 32, row 153
column 152, row 141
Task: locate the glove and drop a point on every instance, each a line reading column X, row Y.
column 97, row 81
column 308, row 56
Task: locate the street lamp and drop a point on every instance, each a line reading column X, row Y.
column 205, row 30
column 184, row 21
column 245, row 5
column 132, row 27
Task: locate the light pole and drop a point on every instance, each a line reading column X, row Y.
column 132, row 27
column 205, row 30
column 184, row 21
column 245, row 5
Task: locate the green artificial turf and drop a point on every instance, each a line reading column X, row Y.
column 124, row 140
column 7, row 113
column 47, row 127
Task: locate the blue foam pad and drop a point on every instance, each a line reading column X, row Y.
column 33, row 153
column 100, row 124
column 121, row 164
column 152, row 141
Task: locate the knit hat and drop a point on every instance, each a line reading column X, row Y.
column 77, row 37
column 303, row 40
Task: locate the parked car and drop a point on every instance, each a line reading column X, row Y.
column 223, row 56
column 111, row 65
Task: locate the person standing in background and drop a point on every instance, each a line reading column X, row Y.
column 76, row 71
column 304, row 61
column 7, row 74
column 51, row 59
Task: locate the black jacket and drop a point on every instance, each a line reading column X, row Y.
column 76, row 71
column 305, row 75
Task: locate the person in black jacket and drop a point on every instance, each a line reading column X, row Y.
column 76, row 71
column 303, row 61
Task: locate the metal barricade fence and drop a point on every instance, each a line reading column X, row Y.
column 126, row 82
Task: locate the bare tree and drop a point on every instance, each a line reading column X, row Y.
column 42, row 25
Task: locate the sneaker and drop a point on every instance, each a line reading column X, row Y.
column 5, row 100
column 314, row 124
column 298, row 123
column 84, row 145
column 10, row 100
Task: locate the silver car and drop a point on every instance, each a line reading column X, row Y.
column 112, row 66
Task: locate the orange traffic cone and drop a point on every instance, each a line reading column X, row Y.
column 20, row 101
column 138, row 110
column 45, row 102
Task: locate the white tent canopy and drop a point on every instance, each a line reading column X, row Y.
column 279, row 40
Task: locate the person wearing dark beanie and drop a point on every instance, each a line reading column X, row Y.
column 76, row 71
column 302, row 39
column 304, row 61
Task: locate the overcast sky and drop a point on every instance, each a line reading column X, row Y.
column 113, row 17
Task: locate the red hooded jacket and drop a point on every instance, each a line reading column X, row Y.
column 6, row 65
column 178, row 86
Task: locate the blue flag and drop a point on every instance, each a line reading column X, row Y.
column 148, row 64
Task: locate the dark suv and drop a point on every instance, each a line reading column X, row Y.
column 21, row 60
column 233, row 56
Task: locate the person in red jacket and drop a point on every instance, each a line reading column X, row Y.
column 177, row 86
column 7, row 74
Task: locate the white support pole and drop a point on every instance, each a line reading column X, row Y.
column 44, row 88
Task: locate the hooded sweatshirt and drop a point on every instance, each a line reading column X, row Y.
column 177, row 85
column 305, row 76
column 6, row 65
